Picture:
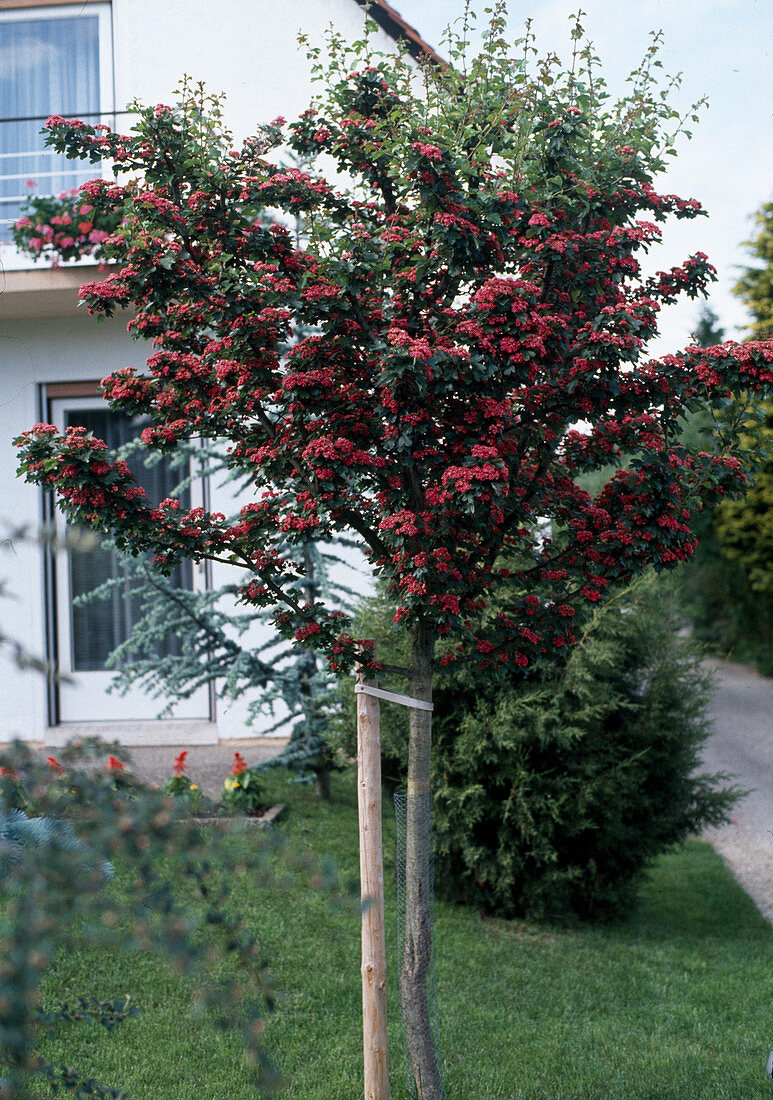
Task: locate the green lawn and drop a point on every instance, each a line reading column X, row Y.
column 676, row 1003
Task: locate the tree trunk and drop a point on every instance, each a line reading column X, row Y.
column 417, row 952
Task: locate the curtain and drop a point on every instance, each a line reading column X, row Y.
column 100, row 625
column 47, row 66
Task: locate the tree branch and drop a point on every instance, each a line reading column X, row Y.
column 358, row 524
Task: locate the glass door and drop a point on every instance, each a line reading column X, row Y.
column 89, row 631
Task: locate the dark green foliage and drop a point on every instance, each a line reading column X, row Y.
column 744, row 527
column 12, row 794
column 727, row 588
column 755, row 287
column 726, row 613
column 553, row 798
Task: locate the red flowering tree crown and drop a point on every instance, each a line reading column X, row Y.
column 478, row 317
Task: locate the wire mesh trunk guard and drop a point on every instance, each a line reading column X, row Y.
column 421, row 807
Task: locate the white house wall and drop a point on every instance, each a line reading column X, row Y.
column 48, row 351
column 249, row 50
column 245, row 48
column 33, row 352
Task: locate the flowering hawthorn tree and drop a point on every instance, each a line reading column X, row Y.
column 477, row 312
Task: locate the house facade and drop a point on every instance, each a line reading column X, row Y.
column 91, row 59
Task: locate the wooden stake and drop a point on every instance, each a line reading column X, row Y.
column 374, row 1006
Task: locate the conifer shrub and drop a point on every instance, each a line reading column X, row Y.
column 554, row 796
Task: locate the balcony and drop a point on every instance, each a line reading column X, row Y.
column 42, row 291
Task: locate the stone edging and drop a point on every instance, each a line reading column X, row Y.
column 267, row 818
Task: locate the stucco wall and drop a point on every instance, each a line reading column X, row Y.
column 245, row 48
column 33, row 352
column 249, row 50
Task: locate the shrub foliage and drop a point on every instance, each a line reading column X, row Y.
column 553, row 797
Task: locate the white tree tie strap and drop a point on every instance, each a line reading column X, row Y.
column 392, row 697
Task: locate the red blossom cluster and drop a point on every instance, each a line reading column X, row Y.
column 239, row 764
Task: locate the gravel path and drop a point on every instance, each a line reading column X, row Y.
column 208, row 765
column 742, row 744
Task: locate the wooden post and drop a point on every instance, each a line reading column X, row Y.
column 374, row 1001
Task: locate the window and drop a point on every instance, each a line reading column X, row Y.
column 82, row 635
column 52, row 61
column 100, row 625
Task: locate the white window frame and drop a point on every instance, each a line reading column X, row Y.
column 10, row 256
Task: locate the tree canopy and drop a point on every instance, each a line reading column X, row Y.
column 755, row 287
column 477, row 320
column 745, row 526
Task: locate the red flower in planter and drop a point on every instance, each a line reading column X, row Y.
column 54, row 765
column 114, row 764
column 240, row 764
column 179, row 763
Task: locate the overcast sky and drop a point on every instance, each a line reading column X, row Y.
column 723, row 49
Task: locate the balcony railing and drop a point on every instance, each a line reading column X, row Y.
column 30, row 168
